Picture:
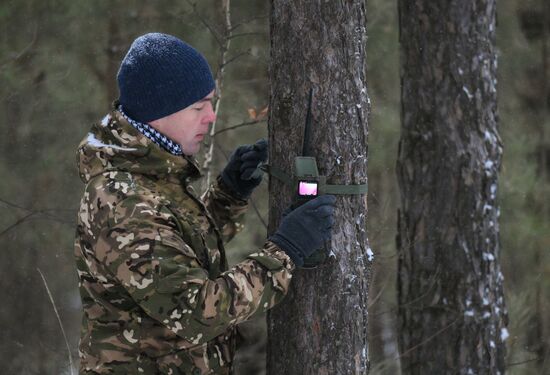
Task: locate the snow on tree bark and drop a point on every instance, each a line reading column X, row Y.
column 451, row 309
column 321, row 326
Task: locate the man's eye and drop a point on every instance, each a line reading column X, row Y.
column 198, row 108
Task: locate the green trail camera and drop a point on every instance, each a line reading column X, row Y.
column 307, row 182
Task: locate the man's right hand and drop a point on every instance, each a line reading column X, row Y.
column 306, row 228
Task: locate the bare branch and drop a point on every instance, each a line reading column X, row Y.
column 214, row 33
column 229, row 61
column 89, row 60
column 33, row 213
column 253, row 203
column 246, row 123
column 428, row 339
column 219, row 84
column 21, row 53
column 226, row 4
column 386, row 282
column 16, row 223
column 522, row 362
column 44, row 212
column 29, row 209
column 58, row 320
column 248, row 34
column 248, row 20
column 405, row 305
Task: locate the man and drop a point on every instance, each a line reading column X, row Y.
column 157, row 293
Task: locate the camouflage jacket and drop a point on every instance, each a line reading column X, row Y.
column 157, row 294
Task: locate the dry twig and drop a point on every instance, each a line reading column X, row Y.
column 219, row 85
column 246, row 123
column 58, row 320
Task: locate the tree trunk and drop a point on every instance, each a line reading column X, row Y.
column 451, row 308
column 321, row 326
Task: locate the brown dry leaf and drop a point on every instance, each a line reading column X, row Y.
column 252, row 113
column 263, row 112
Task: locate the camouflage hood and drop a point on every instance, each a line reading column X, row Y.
column 115, row 145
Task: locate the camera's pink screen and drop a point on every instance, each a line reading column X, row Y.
column 307, row 188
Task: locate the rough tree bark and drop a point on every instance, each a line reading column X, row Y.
column 451, row 309
column 321, row 326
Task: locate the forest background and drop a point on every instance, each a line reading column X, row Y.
column 58, row 63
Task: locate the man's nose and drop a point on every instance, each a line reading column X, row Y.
column 210, row 115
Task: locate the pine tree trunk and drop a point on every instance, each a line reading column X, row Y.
column 451, row 309
column 321, row 326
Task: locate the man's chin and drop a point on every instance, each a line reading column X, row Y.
column 191, row 151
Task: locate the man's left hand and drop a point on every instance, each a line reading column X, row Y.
column 241, row 172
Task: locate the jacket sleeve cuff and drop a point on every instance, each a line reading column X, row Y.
column 227, row 191
column 273, row 257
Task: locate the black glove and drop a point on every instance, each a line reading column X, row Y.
column 241, row 174
column 315, row 259
column 305, row 229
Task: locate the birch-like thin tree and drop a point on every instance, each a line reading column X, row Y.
column 321, row 326
column 451, row 309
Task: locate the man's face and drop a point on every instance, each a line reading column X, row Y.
column 188, row 126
